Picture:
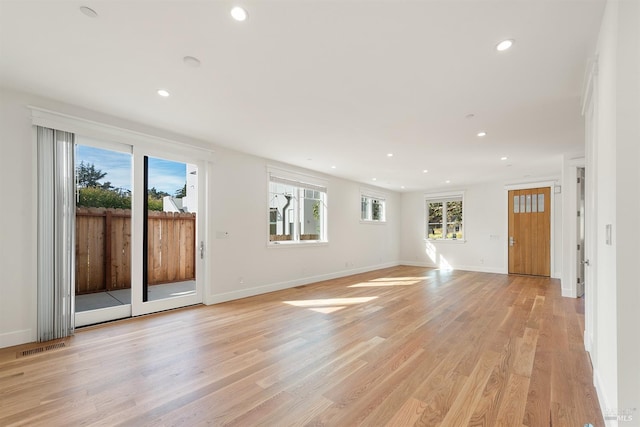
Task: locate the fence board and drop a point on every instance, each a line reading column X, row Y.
column 120, row 251
column 171, row 248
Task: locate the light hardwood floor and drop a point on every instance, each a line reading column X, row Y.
column 396, row 347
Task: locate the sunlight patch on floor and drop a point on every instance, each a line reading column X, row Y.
column 390, row 281
column 329, row 305
column 382, row 284
column 327, row 310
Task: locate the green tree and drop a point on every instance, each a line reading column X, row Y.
column 182, row 192
column 156, row 194
column 154, row 204
column 98, row 197
column 89, row 176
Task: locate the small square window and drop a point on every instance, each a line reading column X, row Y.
column 372, row 209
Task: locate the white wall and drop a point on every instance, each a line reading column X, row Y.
column 627, row 230
column 486, row 227
column 17, row 225
column 483, row 249
column 239, row 265
column 616, row 349
column 239, row 209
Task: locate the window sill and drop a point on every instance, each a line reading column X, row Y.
column 448, row 241
column 368, row 221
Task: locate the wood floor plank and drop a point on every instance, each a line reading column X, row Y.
column 471, row 393
column 398, row 346
column 537, row 410
column 511, row 411
column 486, row 409
column 408, row 414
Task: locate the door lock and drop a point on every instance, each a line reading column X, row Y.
column 202, row 250
column 511, row 241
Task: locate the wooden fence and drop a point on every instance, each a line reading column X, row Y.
column 103, row 248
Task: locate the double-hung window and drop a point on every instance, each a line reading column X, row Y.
column 297, row 208
column 444, row 217
column 372, row 208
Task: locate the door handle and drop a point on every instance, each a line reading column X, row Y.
column 202, row 250
column 511, row 241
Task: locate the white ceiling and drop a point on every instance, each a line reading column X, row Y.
column 321, row 83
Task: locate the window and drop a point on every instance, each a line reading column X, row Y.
column 372, row 208
column 297, row 209
column 444, row 217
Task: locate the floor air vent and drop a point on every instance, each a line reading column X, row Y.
column 42, row 349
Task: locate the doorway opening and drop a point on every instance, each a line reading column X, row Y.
column 580, row 234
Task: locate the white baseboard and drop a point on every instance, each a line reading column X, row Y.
column 588, row 341
column 263, row 289
column 602, row 398
column 418, row 264
column 10, row 339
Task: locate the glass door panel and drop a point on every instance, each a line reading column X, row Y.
column 170, row 245
column 103, row 233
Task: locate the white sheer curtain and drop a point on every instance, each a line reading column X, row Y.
column 56, row 233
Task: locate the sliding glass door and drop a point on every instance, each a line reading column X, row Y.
column 138, row 231
column 171, row 246
column 170, row 225
column 103, row 231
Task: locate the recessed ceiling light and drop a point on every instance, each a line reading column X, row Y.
column 191, row 61
column 503, row 158
column 447, row 182
column 402, row 186
column 374, row 179
column 504, row 45
column 239, row 14
column 425, row 171
column 389, row 154
column 333, row 167
column 163, row 92
column 481, row 134
column 88, row 12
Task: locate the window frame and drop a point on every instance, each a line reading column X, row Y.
column 444, row 198
column 372, row 196
column 301, row 185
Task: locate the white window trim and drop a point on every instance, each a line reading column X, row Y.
column 373, row 194
column 305, row 180
column 442, row 197
column 121, row 136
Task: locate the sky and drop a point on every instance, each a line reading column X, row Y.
column 164, row 175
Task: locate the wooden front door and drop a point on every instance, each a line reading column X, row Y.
column 530, row 231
